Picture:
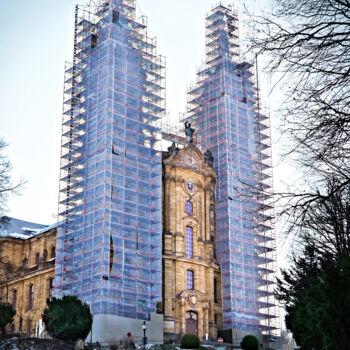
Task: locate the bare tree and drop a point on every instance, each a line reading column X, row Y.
column 7, row 186
column 308, row 43
column 325, row 224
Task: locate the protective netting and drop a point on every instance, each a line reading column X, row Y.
column 223, row 109
column 109, row 234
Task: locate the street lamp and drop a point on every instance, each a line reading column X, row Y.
column 144, row 328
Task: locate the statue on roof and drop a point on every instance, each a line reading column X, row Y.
column 189, row 133
column 173, row 149
column 208, row 157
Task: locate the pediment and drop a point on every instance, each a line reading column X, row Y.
column 189, row 157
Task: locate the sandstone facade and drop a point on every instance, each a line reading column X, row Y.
column 191, row 274
column 26, row 281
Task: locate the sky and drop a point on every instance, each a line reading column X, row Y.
column 36, row 40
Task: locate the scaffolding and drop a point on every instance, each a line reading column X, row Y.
column 109, row 233
column 223, row 107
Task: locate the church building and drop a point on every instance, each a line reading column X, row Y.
column 191, row 285
column 140, row 232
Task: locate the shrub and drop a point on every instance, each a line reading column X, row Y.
column 67, row 318
column 6, row 316
column 190, row 341
column 250, row 342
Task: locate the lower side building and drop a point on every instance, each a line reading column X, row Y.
column 27, row 270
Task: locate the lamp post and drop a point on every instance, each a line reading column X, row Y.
column 144, row 328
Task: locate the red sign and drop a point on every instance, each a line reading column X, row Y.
column 220, row 340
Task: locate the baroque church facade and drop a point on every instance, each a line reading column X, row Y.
column 191, row 273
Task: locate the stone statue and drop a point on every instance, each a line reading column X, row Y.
column 173, row 149
column 189, row 133
column 208, row 157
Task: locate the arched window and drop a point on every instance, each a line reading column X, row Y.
column 53, row 252
column 45, row 255
column 37, row 257
column 31, row 296
column 190, row 279
column 189, row 242
column 189, row 207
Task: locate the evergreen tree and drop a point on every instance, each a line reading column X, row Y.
column 316, row 294
column 67, row 318
column 6, row 316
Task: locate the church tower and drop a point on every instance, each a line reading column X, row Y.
column 109, row 232
column 191, row 274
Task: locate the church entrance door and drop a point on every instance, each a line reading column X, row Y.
column 191, row 322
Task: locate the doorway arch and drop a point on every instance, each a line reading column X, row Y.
column 192, row 322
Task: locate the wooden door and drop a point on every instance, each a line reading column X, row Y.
column 191, row 322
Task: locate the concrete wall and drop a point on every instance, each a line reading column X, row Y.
column 108, row 329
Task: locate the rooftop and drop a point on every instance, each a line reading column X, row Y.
column 21, row 229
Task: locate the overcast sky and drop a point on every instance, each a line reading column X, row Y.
column 36, row 40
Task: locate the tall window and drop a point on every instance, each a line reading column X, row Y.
column 215, row 291
column 189, row 207
column 31, row 295
column 14, row 299
column 189, row 242
column 45, row 254
column 37, row 256
column 50, row 286
column 53, row 252
column 190, row 279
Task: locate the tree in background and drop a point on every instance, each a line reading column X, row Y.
column 6, row 316
column 67, row 318
column 315, row 291
column 7, row 186
column 315, row 288
column 307, row 43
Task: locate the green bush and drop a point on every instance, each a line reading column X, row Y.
column 190, row 341
column 67, row 318
column 250, row 342
column 6, row 316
